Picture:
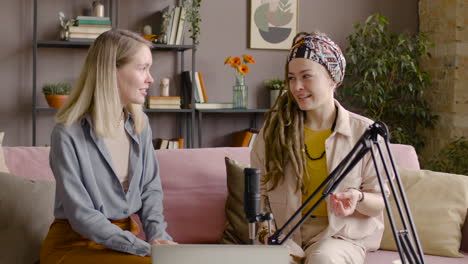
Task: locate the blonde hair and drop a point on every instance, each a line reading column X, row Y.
column 285, row 121
column 97, row 91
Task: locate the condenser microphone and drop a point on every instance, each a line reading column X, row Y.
column 252, row 198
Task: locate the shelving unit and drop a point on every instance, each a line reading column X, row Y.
column 187, row 116
column 252, row 112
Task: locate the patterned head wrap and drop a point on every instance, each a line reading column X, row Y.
column 322, row 50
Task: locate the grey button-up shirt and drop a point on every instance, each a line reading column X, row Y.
column 89, row 194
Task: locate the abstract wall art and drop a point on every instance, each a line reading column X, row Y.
column 273, row 23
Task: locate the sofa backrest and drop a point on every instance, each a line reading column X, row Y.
column 194, row 183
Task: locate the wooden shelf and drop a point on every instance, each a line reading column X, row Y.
column 225, row 111
column 87, row 44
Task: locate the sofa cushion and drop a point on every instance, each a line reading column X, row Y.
column 37, row 159
column 438, row 202
column 26, row 212
column 3, row 167
column 236, row 230
column 194, row 184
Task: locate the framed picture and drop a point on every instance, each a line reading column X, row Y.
column 273, row 23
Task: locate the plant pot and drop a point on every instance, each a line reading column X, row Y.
column 56, row 101
column 274, row 95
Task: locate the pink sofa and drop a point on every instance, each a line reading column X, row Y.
column 194, row 182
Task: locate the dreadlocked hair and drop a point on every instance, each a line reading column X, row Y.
column 284, row 140
column 285, row 121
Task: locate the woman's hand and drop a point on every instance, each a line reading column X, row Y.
column 162, row 242
column 344, row 203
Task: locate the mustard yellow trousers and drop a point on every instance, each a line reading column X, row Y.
column 63, row 245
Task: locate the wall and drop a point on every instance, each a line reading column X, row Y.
column 224, row 32
column 447, row 25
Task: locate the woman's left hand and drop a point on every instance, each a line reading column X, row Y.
column 344, row 203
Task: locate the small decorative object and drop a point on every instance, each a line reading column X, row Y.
column 148, row 33
column 56, row 93
column 164, row 87
column 277, row 88
column 65, row 24
column 98, row 9
column 147, row 30
column 240, row 90
column 273, row 23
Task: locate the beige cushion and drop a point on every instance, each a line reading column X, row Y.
column 438, row 202
column 3, row 167
column 236, row 230
column 26, row 212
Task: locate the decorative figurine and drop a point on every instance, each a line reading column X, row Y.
column 164, row 87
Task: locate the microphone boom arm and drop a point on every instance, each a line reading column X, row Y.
column 406, row 239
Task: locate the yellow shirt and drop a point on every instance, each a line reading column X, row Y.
column 317, row 169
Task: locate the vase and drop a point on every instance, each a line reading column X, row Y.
column 240, row 92
column 274, row 94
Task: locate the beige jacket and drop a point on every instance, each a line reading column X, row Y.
column 285, row 200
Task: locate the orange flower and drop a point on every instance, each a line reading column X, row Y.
column 243, row 69
column 236, row 61
column 248, row 59
column 228, row 60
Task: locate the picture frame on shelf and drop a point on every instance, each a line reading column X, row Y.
column 273, row 23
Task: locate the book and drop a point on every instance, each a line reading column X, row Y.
column 81, row 40
column 87, row 29
column 180, row 27
column 163, row 106
column 202, row 84
column 164, row 100
column 92, row 18
column 187, row 89
column 254, row 132
column 163, row 143
column 214, row 105
column 180, row 142
column 168, row 14
column 83, row 35
column 175, row 23
column 93, row 22
column 241, row 139
column 198, row 88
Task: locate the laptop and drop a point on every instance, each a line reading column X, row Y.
column 216, row 254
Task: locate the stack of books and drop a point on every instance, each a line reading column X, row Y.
column 174, row 24
column 89, row 27
column 162, row 143
column 199, row 93
column 163, row 102
column 245, row 138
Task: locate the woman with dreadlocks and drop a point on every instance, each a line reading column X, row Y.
column 307, row 133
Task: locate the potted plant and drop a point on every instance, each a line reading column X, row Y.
column 277, row 87
column 387, row 83
column 56, row 93
column 65, row 24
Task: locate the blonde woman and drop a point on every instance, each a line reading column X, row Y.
column 103, row 160
column 306, row 135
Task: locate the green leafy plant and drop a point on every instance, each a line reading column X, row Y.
column 385, row 82
column 61, row 88
column 275, row 84
column 192, row 15
column 65, row 24
column 451, row 158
